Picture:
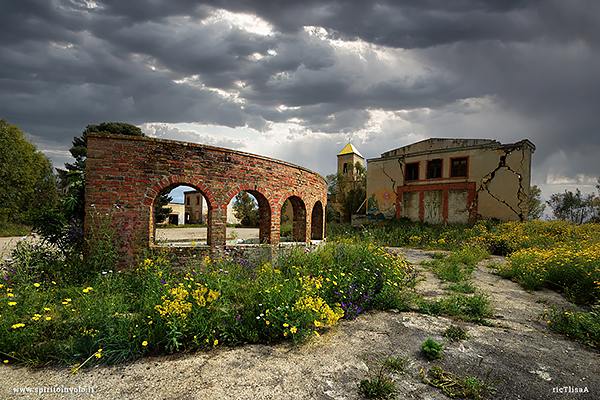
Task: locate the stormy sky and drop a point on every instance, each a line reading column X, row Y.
column 297, row 80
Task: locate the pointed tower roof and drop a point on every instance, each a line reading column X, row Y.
column 349, row 149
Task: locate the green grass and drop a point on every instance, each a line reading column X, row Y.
column 378, row 387
column 14, row 229
column 397, row 364
column 469, row 308
column 581, row 326
column 456, row 266
column 378, row 383
column 466, row 287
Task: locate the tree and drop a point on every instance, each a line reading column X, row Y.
column 536, row 207
column 349, row 194
column 27, row 180
column 161, row 211
column 246, row 210
column 573, row 207
column 73, row 179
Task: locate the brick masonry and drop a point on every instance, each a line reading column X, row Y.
column 126, row 174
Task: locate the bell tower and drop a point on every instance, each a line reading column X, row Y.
column 347, row 159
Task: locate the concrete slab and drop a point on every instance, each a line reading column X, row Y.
column 7, row 244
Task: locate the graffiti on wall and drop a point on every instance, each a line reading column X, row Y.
column 433, row 201
column 382, row 204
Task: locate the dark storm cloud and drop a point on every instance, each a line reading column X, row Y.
column 65, row 64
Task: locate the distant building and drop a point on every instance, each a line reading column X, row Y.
column 196, row 209
column 451, row 180
column 177, row 214
column 347, row 159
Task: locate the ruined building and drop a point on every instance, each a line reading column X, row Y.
column 194, row 210
column 451, row 180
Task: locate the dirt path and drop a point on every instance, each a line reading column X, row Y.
column 524, row 358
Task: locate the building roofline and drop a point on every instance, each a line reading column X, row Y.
column 484, row 144
column 350, row 149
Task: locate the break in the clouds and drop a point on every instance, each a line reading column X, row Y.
column 297, row 80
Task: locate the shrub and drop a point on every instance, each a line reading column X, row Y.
column 455, row 333
column 432, row 349
column 378, row 383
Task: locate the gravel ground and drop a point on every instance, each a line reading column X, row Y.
column 199, row 234
column 523, row 358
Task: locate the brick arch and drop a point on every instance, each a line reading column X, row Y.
column 171, row 183
column 264, row 207
column 174, row 181
column 247, row 187
column 300, row 209
column 130, row 172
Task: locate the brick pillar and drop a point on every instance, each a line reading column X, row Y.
column 217, row 227
column 264, row 215
column 308, row 227
column 299, row 233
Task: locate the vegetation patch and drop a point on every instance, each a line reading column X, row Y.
column 452, row 385
column 457, row 266
column 378, row 384
column 455, row 333
column 52, row 311
column 474, row 308
column 14, row 229
column 581, row 326
column 465, row 287
column 432, row 349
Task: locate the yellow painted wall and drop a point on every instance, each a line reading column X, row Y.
column 499, row 191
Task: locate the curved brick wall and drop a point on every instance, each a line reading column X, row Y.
column 125, row 175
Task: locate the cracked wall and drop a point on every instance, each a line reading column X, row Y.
column 496, row 184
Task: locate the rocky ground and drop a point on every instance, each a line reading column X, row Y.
column 519, row 353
